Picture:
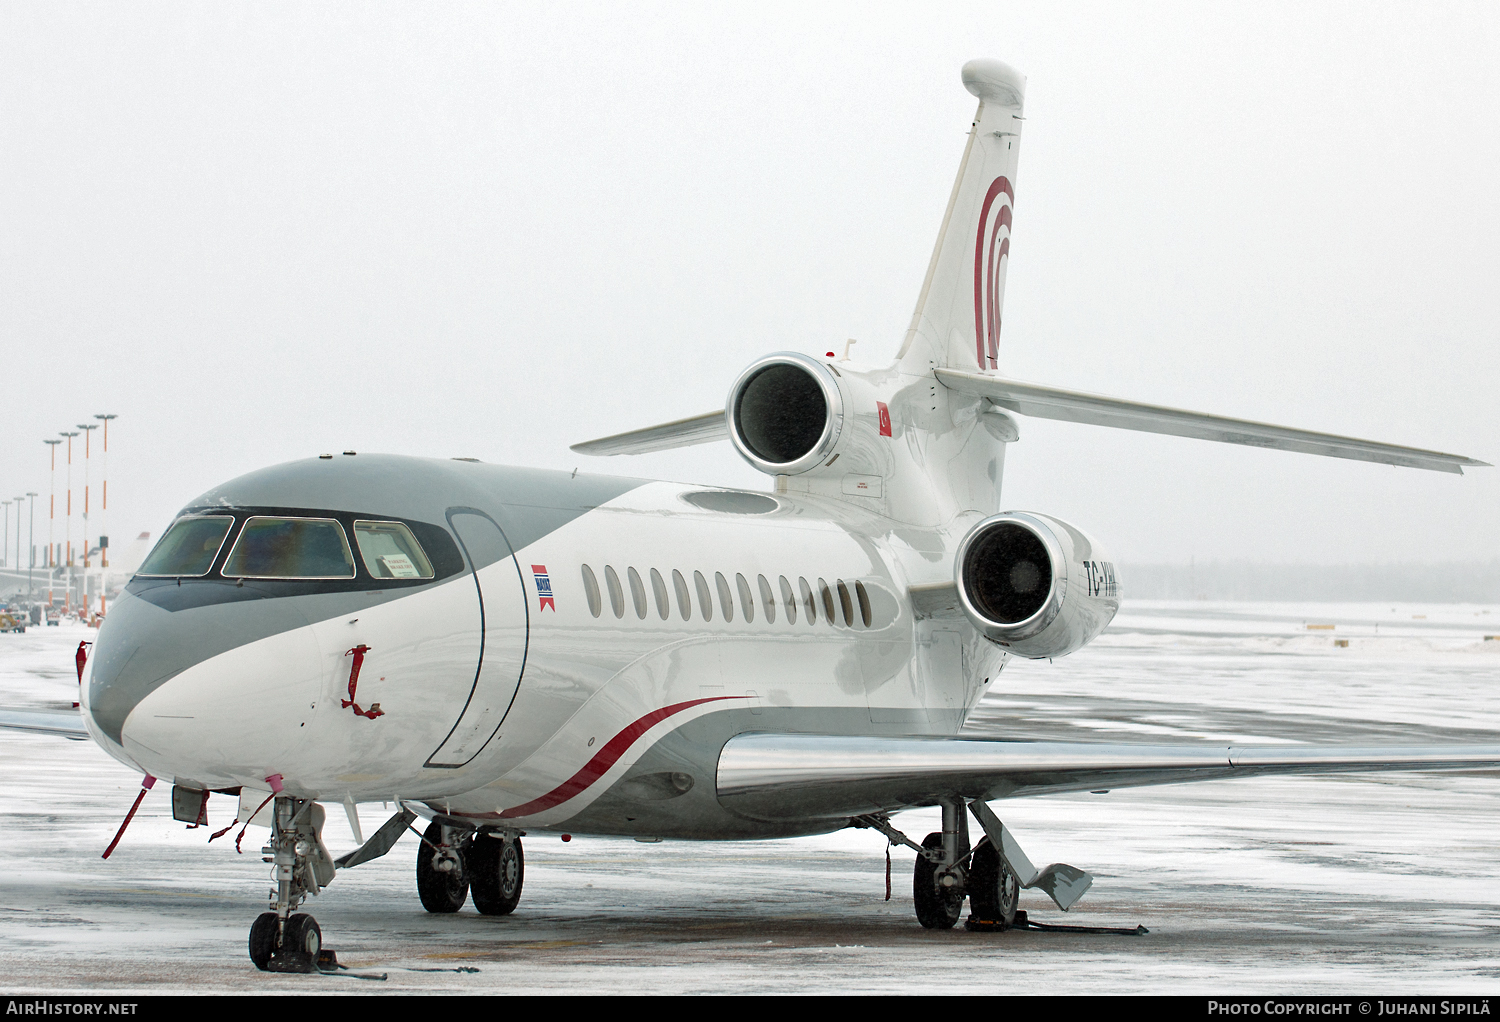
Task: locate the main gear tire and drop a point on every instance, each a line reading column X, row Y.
column 938, row 908
column 994, row 888
column 497, row 870
column 442, row 891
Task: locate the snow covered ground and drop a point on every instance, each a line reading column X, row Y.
column 1381, row 884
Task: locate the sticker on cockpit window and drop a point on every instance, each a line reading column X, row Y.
column 543, row 588
column 400, row 566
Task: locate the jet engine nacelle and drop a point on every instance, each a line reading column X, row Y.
column 785, row 413
column 1035, row 585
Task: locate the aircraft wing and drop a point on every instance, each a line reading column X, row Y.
column 798, row 776
column 1095, row 410
column 697, row 429
column 67, row 723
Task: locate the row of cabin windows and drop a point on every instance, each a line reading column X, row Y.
column 839, row 604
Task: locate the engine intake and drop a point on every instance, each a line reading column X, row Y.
column 785, row 413
column 1034, row 584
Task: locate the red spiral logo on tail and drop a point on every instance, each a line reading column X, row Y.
column 991, row 246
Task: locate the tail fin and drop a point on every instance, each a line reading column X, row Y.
column 957, row 320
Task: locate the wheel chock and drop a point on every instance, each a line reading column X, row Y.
column 976, row 925
column 292, row 961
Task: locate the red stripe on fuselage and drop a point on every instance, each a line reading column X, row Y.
column 604, row 759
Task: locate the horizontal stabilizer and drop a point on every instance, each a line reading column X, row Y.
column 698, row 429
column 1094, row 410
column 789, row 776
column 64, row 723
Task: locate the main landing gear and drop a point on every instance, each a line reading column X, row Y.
column 990, row 874
column 283, row 939
column 453, row 863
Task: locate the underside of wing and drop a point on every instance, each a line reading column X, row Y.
column 698, row 429
column 66, row 723
column 791, row 776
column 1095, row 410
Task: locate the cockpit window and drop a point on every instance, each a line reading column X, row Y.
column 189, row 547
column 290, row 548
column 389, row 550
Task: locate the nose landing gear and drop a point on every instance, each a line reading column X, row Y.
column 284, row 940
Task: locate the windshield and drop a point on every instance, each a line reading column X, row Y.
column 189, row 547
column 290, row 548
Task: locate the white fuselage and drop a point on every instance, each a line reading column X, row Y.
column 678, row 650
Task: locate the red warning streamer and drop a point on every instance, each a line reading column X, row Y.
column 146, row 784
column 358, row 652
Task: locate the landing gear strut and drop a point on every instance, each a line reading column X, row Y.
column 284, row 940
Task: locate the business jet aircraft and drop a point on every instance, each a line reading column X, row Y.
column 503, row 650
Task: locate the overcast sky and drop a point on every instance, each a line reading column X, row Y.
column 258, row 232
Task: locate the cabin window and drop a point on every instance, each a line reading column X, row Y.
column 389, row 550
column 705, row 598
column 684, row 599
column 747, row 601
column 637, row 593
column 789, row 601
column 808, row 601
column 616, row 594
column 828, row 614
column 767, row 598
column 845, row 604
column 290, row 548
column 189, row 547
column 864, row 602
column 659, row 590
column 726, row 599
column 591, row 590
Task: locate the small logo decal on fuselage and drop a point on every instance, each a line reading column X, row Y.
column 885, row 418
column 543, row 588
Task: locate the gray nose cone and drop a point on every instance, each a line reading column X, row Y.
column 160, row 631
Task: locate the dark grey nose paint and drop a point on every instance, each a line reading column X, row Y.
column 155, row 631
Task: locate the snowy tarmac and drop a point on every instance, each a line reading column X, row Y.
column 1379, row 884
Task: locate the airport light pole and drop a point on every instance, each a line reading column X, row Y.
column 5, row 547
column 19, row 501
column 68, row 528
column 31, row 543
column 51, row 520
column 88, row 434
column 104, row 495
